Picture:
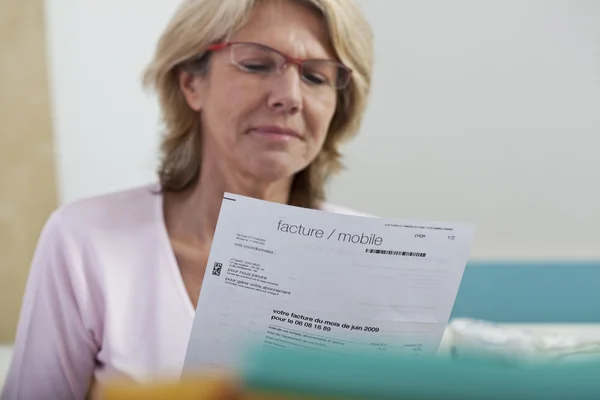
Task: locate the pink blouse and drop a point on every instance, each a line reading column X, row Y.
column 104, row 299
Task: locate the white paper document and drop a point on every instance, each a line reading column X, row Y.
column 287, row 277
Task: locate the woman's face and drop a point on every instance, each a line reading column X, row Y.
column 265, row 126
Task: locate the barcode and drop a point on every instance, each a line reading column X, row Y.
column 395, row 253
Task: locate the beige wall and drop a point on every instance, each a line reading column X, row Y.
column 27, row 173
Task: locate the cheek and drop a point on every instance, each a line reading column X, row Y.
column 321, row 114
column 233, row 101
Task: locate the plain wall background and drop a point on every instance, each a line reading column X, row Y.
column 487, row 112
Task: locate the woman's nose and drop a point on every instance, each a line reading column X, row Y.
column 286, row 92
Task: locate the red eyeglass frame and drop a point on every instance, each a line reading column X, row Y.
column 288, row 59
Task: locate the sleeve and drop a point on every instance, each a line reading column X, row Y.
column 55, row 349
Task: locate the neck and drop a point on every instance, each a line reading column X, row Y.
column 193, row 215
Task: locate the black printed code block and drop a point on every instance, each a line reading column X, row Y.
column 217, row 269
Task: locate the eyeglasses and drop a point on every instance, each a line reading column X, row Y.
column 263, row 60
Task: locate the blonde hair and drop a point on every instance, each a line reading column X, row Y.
column 200, row 23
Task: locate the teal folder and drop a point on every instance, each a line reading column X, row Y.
column 362, row 376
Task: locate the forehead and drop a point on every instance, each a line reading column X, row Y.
column 288, row 26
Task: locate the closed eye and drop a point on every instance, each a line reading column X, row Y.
column 315, row 79
column 253, row 66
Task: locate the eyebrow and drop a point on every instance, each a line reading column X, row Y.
column 326, row 56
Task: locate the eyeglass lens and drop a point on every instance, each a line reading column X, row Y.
column 263, row 60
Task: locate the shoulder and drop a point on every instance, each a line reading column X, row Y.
column 114, row 211
column 84, row 237
column 337, row 209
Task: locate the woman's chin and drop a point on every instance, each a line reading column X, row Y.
column 272, row 169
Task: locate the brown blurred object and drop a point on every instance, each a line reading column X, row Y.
column 27, row 166
column 205, row 388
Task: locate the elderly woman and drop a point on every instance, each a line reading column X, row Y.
column 256, row 98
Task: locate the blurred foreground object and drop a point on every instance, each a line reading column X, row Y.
column 204, row 387
column 291, row 374
column 480, row 339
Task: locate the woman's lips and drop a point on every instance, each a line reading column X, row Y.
column 277, row 133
